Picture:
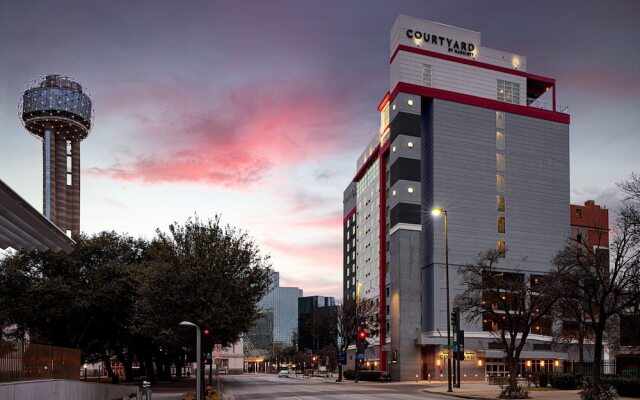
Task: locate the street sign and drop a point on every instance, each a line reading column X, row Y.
column 359, row 356
column 449, row 347
column 342, row 357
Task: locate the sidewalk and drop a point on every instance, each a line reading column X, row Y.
column 486, row 391
column 491, row 392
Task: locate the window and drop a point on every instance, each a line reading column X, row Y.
column 578, row 213
column 500, row 119
column 509, row 92
column 501, row 203
column 69, row 181
column 426, row 75
column 500, row 140
column 501, row 247
column 579, row 238
column 500, row 182
column 500, row 161
column 501, row 224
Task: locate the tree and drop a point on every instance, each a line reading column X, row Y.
column 510, row 304
column 347, row 318
column 204, row 272
column 605, row 285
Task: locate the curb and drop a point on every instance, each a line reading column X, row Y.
column 460, row 396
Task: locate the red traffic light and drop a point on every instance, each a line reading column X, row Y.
column 362, row 334
column 206, row 331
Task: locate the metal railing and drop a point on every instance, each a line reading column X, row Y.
column 29, row 361
column 545, row 105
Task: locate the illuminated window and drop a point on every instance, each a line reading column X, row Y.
column 509, row 92
column 500, row 182
column 501, row 203
column 501, row 247
column 500, row 140
column 501, row 223
column 500, row 119
column 500, row 161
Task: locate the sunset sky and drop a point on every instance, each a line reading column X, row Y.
column 257, row 110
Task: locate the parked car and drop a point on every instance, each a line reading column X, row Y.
column 284, row 373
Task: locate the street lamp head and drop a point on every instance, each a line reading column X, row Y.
column 436, row 211
column 187, row 323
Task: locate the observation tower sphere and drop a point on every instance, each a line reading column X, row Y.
column 59, row 112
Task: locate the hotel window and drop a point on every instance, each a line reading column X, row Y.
column 500, row 182
column 426, row 75
column 509, row 92
column 501, row 223
column 500, row 140
column 500, row 161
column 501, row 247
column 500, row 119
column 501, row 203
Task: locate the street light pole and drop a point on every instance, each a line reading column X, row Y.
column 436, row 212
column 198, row 358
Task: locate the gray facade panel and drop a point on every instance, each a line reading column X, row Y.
column 462, row 149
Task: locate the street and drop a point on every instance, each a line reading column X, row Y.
column 250, row 386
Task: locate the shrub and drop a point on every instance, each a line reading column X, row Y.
column 566, row 381
column 370, row 375
column 626, row 386
column 543, row 379
column 517, row 393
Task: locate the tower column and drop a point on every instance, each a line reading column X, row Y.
column 74, row 190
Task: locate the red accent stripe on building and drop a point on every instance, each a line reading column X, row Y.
column 479, row 102
column 474, row 63
column 384, row 101
column 382, row 255
column 349, row 215
column 367, row 164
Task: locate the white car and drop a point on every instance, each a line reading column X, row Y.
column 284, row 373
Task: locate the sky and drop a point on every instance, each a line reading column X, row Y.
column 257, row 110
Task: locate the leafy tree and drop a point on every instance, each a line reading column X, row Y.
column 203, row 272
column 605, row 287
column 511, row 303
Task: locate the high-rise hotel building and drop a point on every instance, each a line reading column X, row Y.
column 465, row 128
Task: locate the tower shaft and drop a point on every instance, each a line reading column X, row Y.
column 61, row 184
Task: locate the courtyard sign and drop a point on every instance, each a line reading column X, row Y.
column 454, row 46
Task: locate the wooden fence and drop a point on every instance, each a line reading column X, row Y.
column 28, row 361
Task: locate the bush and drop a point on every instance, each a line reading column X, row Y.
column 626, row 386
column 566, row 381
column 370, row 375
column 517, row 393
column 363, row 375
column 543, row 379
column 587, row 391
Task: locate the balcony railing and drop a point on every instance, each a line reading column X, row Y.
column 545, row 105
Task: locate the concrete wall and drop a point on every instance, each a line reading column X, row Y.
column 58, row 389
column 404, row 302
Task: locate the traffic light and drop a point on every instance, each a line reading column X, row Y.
column 362, row 335
column 206, row 331
column 455, row 318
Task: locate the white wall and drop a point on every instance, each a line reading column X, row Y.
column 58, row 389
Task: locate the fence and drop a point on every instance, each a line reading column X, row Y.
column 28, row 361
column 621, row 366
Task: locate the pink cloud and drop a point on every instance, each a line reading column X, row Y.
column 233, row 138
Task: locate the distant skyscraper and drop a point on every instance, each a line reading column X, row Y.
column 57, row 111
column 279, row 312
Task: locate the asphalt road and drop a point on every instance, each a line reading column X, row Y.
column 251, row 386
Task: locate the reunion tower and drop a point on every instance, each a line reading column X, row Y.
column 57, row 111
